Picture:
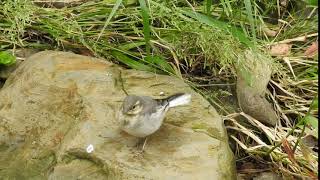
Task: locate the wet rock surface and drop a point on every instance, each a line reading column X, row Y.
column 56, row 104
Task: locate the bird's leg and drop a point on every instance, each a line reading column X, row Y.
column 143, row 142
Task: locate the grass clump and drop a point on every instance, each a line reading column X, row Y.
column 15, row 17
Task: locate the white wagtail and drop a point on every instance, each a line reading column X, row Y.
column 140, row 116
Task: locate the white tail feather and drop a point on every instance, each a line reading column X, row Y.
column 180, row 100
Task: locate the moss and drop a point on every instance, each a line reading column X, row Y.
column 27, row 167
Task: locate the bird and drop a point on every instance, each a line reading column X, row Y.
column 141, row 116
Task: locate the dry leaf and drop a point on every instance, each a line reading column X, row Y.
column 269, row 32
column 312, row 50
column 280, row 49
column 312, row 175
column 288, row 150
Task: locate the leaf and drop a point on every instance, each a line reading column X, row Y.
column 312, row 2
column 161, row 63
column 234, row 31
column 7, row 58
column 312, row 50
column 288, row 150
column 131, row 62
column 280, row 50
column 113, row 11
column 146, row 25
column 131, row 45
column 314, row 104
column 269, row 32
column 312, row 125
column 312, row 121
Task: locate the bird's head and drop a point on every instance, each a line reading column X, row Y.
column 132, row 105
column 131, row 108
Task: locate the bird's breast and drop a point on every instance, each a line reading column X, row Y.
column 145, row 125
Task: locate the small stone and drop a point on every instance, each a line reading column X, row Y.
column 90, row 148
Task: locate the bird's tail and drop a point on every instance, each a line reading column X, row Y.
column 179, row 99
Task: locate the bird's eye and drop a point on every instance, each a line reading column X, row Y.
column 134, row 107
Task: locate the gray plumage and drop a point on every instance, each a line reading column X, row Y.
column 141, row 116
column 149, row 104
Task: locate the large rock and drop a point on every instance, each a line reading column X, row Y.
column 56, row 104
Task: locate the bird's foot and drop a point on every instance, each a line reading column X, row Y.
column 141, row 144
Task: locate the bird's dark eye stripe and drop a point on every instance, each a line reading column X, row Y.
column 134, row 107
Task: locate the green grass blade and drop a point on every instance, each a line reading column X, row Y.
column 314, row 104
column 312, row 2
column 208, row 6
column 156, row 65
column 221, row 25
column 312, row 121
column 161, row 64
column 229, row 6
column 248, row 6
column 131, row 45
column 132, row 63
column 225, row 7
column 113, row 11
column 146, row 25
